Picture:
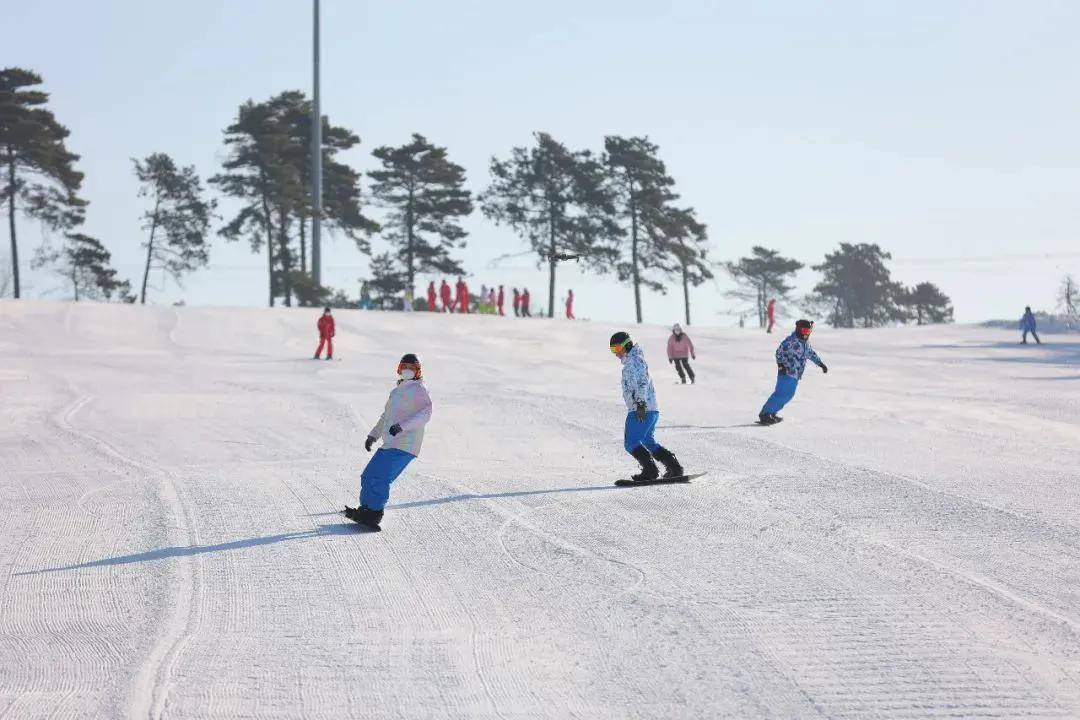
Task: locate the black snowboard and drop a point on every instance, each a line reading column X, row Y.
column 658, row 481
column 351, row 514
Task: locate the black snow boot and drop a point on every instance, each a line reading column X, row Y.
column 649, row 471
column 672, row 468
column 365, row 516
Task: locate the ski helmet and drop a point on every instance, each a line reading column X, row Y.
column 620, row 342
column 409, row 361
column 803, row 328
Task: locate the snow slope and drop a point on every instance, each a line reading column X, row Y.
column 906, row 545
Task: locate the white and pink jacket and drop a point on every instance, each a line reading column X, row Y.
column 681, row 347
column 409, row 406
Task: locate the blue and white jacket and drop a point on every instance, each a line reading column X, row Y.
column 637, row 386
column 1027, row 322
column 792, row 355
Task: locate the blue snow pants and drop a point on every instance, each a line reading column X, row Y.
column 785, row 390
column 383, row 469
column 641, row 432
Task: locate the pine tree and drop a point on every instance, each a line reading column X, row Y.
column 179, row 220
column 858, row 286
column 557, row 200
column 85, row 263
column 426, row 198
column 387, row 284
column 268, row 170
column 926, row 304
column 761, row 276
column 642, row 193
column 685, row 244
column 38, row 168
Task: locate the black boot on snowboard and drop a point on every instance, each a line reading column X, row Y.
column 649, row 471
column 672, row 468
column 365, row 516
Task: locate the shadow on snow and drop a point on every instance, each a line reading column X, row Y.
column 189, row 550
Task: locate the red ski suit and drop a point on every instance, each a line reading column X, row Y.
column 463, row 297
column 326, row 335
column 431, row 298
column 447, row 298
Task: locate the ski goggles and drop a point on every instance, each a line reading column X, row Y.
column 616, row 349
column 804, row 332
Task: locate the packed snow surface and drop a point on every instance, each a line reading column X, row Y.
column 906, row 544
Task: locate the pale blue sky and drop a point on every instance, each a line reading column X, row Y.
column 944, row 131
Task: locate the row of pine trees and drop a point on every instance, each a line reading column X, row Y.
column 616, row 211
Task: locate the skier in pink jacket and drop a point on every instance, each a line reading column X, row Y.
column 679, row 349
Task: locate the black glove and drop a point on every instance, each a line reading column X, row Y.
column 670, row 360
column 640, row 411
column 824, row 368
column 394, row 429
column 368, row 443
column 780, row 368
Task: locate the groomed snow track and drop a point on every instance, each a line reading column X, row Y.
column 906, row 545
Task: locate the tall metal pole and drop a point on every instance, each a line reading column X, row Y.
column 316, row 166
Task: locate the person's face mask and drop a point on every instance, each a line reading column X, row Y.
column 407, row 374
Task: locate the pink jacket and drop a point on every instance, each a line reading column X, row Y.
column 683, row 347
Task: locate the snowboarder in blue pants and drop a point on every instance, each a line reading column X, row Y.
column 642, row 413
column 791, row 359
column 401, row 430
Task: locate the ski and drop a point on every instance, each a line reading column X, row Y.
column 658, row 481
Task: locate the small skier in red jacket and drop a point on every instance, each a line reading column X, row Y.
column 570, row 305
column 500, row 300
column 326, row 334
column 462, row 296
column 431, row 305
column 770, row 313
column 446, row 296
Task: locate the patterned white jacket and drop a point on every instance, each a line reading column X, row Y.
column 637, row 386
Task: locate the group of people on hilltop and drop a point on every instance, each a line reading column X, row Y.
column 490, row 301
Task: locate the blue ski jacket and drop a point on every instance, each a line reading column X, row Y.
column 792, row 355
column 1027, row 322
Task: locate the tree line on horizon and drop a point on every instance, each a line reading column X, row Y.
column 616, row 212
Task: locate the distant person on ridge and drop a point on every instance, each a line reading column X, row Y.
column 642, row 413
column 326, row 329
column 791, row 359
column 517, row 303
column 525, row 298
column 462, row 296
column 500, row 300
column 679, row 348
column 400, row 428
column 432, row 298
column 570, row 305
column 1027, row 324
column 446, row 296
column 770, row 313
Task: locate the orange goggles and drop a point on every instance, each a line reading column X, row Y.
column 616, row 349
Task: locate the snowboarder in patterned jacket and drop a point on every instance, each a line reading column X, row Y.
column 642, row 412
column 791, row 359
column 400, row 428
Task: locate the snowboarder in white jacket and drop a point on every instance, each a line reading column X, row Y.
column 400, row 428
column 642, row 412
